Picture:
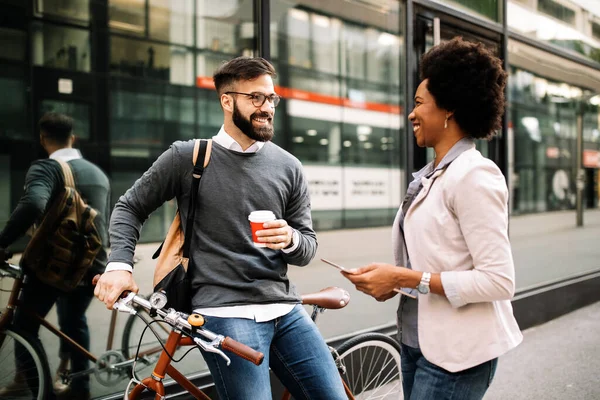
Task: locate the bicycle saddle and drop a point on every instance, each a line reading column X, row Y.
column 331, row 298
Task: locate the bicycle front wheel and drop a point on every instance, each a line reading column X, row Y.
column 370, row 366
column 28, row 379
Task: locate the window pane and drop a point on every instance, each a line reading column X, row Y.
column 172, row 21
column 355, row 48
column 326, row 33
column 69, row 9
column 482, row 8
column 12, row 43
column 544, row 120
column 127, row 16
column 228, row 28
column 5, row 189
column 60, row 47
column 13, row 108
column 383, row 57
column 340, row 73
column 298, row 38
column 143, row 59
column 555, row 23
column 148, row 117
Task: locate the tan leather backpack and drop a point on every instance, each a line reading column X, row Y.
column 66, row 242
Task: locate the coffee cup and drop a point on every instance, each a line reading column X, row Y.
column 257, row 219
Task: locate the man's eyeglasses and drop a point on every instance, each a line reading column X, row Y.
column 258, row 99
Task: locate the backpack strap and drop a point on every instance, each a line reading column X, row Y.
column 202, row 150
column 67, row 174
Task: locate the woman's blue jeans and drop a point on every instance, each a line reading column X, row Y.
column 422, row 380
column 293, row 348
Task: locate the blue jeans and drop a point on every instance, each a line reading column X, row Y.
column 71, row 307
column 422, row 380
column 293, row 348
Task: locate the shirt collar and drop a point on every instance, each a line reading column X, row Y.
column 66, row 154
column 224, row 139
column 464, row 144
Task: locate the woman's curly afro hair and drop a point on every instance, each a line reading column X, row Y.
column 466, row 78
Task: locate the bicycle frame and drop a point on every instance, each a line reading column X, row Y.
column 13, row 303
column 326, row 299
column 163, row 367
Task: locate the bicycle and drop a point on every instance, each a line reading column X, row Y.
column 109, row 368
column 369, row 364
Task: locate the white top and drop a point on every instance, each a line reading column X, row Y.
column 257, row 312
column 66, row 154
column 462, row 212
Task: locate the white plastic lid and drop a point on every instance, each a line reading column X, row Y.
column 261, row 216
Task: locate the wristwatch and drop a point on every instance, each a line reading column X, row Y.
column 423, row 286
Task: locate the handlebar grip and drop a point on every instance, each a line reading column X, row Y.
column 241, row 350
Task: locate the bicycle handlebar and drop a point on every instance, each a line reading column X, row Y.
column 241, row 350
column 179, row 321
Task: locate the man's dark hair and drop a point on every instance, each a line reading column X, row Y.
column 466, row 78
column 57, row 127
column 241, row 69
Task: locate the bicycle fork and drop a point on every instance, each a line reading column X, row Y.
column 163, row 367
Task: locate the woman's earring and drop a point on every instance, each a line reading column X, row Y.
column 446, row 123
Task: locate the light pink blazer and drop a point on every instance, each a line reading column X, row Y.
column 458, row 226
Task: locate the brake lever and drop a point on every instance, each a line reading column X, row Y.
column 125, row 304
column 211, row 347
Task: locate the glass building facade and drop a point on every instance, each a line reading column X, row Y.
column 136, row 76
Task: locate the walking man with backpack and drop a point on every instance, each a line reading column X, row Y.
column 46, row 184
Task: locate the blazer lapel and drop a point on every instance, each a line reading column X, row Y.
column 400, row 253
column 427, row 184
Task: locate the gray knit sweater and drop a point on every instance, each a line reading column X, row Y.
column 226, row 268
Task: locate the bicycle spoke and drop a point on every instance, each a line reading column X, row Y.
column 382, row 384
column 372, row 364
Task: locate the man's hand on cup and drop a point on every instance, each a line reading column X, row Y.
column 112, row 284
column 275, row 234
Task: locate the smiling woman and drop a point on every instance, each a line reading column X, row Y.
column 451, row 234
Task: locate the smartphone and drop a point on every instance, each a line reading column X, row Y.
column 336, row 266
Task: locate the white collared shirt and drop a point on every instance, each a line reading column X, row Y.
column 229, row 143
column 257, row 312
column 66, row 154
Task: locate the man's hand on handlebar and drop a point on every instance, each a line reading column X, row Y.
column 112, row 284
column 4, row 255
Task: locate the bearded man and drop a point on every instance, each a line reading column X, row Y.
column 243, row 289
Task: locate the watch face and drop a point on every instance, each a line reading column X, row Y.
column 424, row 289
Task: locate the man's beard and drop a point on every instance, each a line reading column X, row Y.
column 263, row 134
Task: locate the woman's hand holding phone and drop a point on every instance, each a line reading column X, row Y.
column 356, row 273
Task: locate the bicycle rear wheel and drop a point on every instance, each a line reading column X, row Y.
column 372, row 366
column 31, row 379
column 150, row 348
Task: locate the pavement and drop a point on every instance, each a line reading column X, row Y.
column 547, row 248
column 557, row 360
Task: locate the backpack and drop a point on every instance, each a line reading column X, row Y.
column 66, row 242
